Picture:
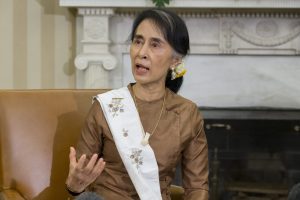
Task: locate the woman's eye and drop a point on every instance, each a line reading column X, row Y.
column 155, row 44
column 137, row 41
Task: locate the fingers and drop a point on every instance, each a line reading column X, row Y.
column 72, row 156
column 82, row 174
column 98, row 167
column 93, row 167
column 92, row 162
column 73, row 160
column 81, row 162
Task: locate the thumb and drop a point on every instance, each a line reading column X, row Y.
column 72, row 156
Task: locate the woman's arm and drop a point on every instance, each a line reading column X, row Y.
column 195, row 161
column 85, row 164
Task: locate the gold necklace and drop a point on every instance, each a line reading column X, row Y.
column 147, row 135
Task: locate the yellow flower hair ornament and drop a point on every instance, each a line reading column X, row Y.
column 178, row 71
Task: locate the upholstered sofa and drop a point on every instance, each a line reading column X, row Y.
column 37, row 127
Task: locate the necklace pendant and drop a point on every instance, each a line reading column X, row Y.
column 145, row 140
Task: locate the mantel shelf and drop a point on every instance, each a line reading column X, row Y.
column 206, row 4
column 250, row 113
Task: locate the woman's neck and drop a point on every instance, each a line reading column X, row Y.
column 148, row 93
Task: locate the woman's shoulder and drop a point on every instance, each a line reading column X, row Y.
column 178, row 103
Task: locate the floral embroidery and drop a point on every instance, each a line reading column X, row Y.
column 116, row 106
column 136, row 158
column 125, row 132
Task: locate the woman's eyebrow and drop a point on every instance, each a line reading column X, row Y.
column 158, row 40
column 154, row 39
column 137, row 36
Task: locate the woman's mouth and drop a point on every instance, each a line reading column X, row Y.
column 141, row 69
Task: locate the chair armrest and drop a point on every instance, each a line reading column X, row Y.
column 177, row 192
column 10, row 194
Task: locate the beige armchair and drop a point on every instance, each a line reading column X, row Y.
column 37, row 127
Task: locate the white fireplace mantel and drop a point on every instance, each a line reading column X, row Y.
column 292, row 4
column 243, row 52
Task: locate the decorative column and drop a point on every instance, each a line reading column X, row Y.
column 95, row 60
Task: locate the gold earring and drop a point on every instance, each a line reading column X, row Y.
column 173, row 73
column 178, row 71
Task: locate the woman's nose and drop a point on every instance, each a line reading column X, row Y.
column 143, row 52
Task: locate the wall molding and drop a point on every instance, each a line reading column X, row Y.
column 191, row 13
column 216, row 27
column 262, row 4
column 265, row 41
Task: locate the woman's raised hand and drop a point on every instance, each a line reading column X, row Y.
column 81, row 174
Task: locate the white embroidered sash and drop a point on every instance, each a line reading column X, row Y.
column 124, row 122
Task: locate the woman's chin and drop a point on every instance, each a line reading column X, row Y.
column 140, row 78
column 141, row 81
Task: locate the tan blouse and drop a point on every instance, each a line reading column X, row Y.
column 179, row 136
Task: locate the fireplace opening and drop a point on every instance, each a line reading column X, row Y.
column 254, row 153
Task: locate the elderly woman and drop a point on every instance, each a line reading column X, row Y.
column 134, row 137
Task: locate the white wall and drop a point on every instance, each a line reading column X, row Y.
column 243, row 81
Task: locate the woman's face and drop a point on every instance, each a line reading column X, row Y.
column 151, row 55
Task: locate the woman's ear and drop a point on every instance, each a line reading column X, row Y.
column 176, row 61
